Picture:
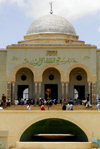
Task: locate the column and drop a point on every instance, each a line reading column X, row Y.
column 93, row 92
column 13, row 92
column 9, row 90
column 66, row 92
column 36, row 89
column 40, row 89
column 62, row 92
column 89, row 88
column 90, row 91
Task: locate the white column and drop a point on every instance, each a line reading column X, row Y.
column 9, row 90
column 89, row 88
column 40, row 90
column 62, row 92
column 66, row 91
column 13, row 92
column 36, row 85
column 90, row 91
column 93, row 86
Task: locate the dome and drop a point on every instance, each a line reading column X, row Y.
column 51, row 24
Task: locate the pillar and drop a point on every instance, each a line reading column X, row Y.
column 62, row 92
column 13, row 92
column 36, row 90
column 40, row 89
column 9, row 90
column 89, row 88
column 93, row 92
column 66, row 97
column 90, row 91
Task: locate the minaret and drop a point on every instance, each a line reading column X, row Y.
column 51, row 11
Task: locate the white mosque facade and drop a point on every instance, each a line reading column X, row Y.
column 50, row 56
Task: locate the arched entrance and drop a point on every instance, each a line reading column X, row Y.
column 24, row 85
column 78, row 85
column 56, row 129
column 51, row 79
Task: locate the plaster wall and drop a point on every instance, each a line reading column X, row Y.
column 98, row 72
column 3, row 78
column 3, row 139
column 54, row 145
column 16, row 122
column 50, row 36
column 64, row 58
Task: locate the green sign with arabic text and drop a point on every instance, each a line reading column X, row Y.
column 47, row 60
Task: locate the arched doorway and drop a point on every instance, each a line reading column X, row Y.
column 24, row 85
column 57, row 130
column 78, row 85
column 51, row 79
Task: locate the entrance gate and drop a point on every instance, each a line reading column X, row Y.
column 23, row 92
column 81, row 91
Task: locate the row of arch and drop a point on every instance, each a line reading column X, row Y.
column 51, row 78
column 64, row 78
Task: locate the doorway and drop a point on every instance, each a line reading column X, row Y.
column 23, row 92
column 80, row 91
column 54, row 91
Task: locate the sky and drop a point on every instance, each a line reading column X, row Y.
column 17, row 15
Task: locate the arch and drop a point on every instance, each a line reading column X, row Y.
column 86, row 131
column 17, row 68
column 89, row 78
column 52, row 66
column 50, row 126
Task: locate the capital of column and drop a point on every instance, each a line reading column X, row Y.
column 9, row 82
column 13, row 83
column 37, row 82
column 66, row 83
column 62, row 83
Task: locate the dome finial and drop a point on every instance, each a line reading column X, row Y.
column 51, row 11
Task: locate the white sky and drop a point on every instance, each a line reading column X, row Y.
column 72, row 9
column 76, row 11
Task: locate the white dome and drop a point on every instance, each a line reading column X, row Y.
column 51, row 24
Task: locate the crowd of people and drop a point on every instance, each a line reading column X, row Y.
column 42, row 102
column 24, row 101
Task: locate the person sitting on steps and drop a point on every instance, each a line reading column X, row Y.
column 42, row 107
column 88, row 104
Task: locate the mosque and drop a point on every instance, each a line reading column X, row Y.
column 51, row 56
